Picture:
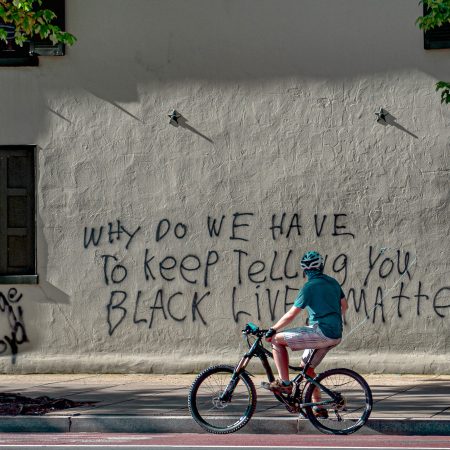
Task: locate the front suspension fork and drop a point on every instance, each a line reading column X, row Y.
column 227, row 394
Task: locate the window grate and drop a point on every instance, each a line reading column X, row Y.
column 17, row 206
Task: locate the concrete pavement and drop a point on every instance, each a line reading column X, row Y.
column 403, row 404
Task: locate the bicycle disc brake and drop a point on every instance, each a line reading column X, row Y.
column 219, row 404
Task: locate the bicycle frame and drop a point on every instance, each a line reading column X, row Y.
column 258, row 350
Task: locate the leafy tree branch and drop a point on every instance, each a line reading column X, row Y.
column 437, row 14
column 30, row 18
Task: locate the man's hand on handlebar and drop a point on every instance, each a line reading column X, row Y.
column 269, row 334
column 251, row 328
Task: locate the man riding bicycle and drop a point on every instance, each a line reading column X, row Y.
column 326, row 305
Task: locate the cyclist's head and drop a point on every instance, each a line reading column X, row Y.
column 312, row 262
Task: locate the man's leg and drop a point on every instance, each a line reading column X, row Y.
column 320, row 353
column 281, row 356
column 316, row 397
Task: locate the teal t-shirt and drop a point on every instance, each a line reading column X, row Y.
column 321, row 297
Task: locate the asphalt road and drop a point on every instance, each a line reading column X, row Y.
column 88, row 441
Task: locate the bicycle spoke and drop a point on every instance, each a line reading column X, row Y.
column 221, row 415
column 351, row 408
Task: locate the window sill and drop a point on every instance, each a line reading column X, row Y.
column 19, row 61
column 19, row 279
column 436, row 45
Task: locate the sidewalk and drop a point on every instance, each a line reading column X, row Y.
column 408, row 404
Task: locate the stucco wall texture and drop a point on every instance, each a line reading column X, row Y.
column 156, row 244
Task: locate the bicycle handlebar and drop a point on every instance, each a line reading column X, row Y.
column 251, row 328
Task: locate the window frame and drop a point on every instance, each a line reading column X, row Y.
column 431, row 39
column 28, row 55
column 28, row 276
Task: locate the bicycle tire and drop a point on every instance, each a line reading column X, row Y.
column 217, row 414
column 349, row 415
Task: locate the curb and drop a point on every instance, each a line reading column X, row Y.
column 185, row 424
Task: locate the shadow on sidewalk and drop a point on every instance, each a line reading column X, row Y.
column 417, row 399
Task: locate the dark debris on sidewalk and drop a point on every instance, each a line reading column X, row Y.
column 19, row 405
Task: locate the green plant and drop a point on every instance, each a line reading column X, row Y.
column 445, row 94
column 30, row 18
column 437, row 14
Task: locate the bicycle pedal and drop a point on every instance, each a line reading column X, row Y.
column 320, row 413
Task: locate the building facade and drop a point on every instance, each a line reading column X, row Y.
column 134, row 242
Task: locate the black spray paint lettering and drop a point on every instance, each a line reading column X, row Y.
column 257, row 271
column 379, row 304
column 319, row 227
column 358, row 303
column 90, row 236
column 339, row 228
column 161, row 306
column 268, row 300
column 387, row 265
column 438, row 305
column 273, row 266
column 190, row 268
column 214, row 227
column 401, row 296
column 340, row 264
column 440, row 302
column 237, row 313
column 115, row 230
column 280, row 267
column 288, row 296
column 271, row 301
column 164, row 227
column 278, row 226
column 117, row 274
column 237, row 224
column 420, row 296
column 9, row 305
column 116, row 312
column 158, row 304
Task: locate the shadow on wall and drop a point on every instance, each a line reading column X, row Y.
column 385, row 119
column 230, row 40
column 51, row 293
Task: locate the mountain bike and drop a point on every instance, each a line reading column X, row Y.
column 222, row 399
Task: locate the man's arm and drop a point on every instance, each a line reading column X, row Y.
column 344, row 307
column 285, row 320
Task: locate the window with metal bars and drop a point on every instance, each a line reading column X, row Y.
column 17, row 215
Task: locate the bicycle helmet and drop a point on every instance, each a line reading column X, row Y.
column 311, row 260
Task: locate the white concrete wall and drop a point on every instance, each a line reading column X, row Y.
column 278, row 100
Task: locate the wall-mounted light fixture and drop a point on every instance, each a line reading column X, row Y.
column 381, row 115
column 174, row 116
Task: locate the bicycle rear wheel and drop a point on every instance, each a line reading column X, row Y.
column 351, row 411
column 215, row 412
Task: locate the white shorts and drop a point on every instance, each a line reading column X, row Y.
column 310, row 338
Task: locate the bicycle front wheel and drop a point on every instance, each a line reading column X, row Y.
column 217, row 404
column 349, row 411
